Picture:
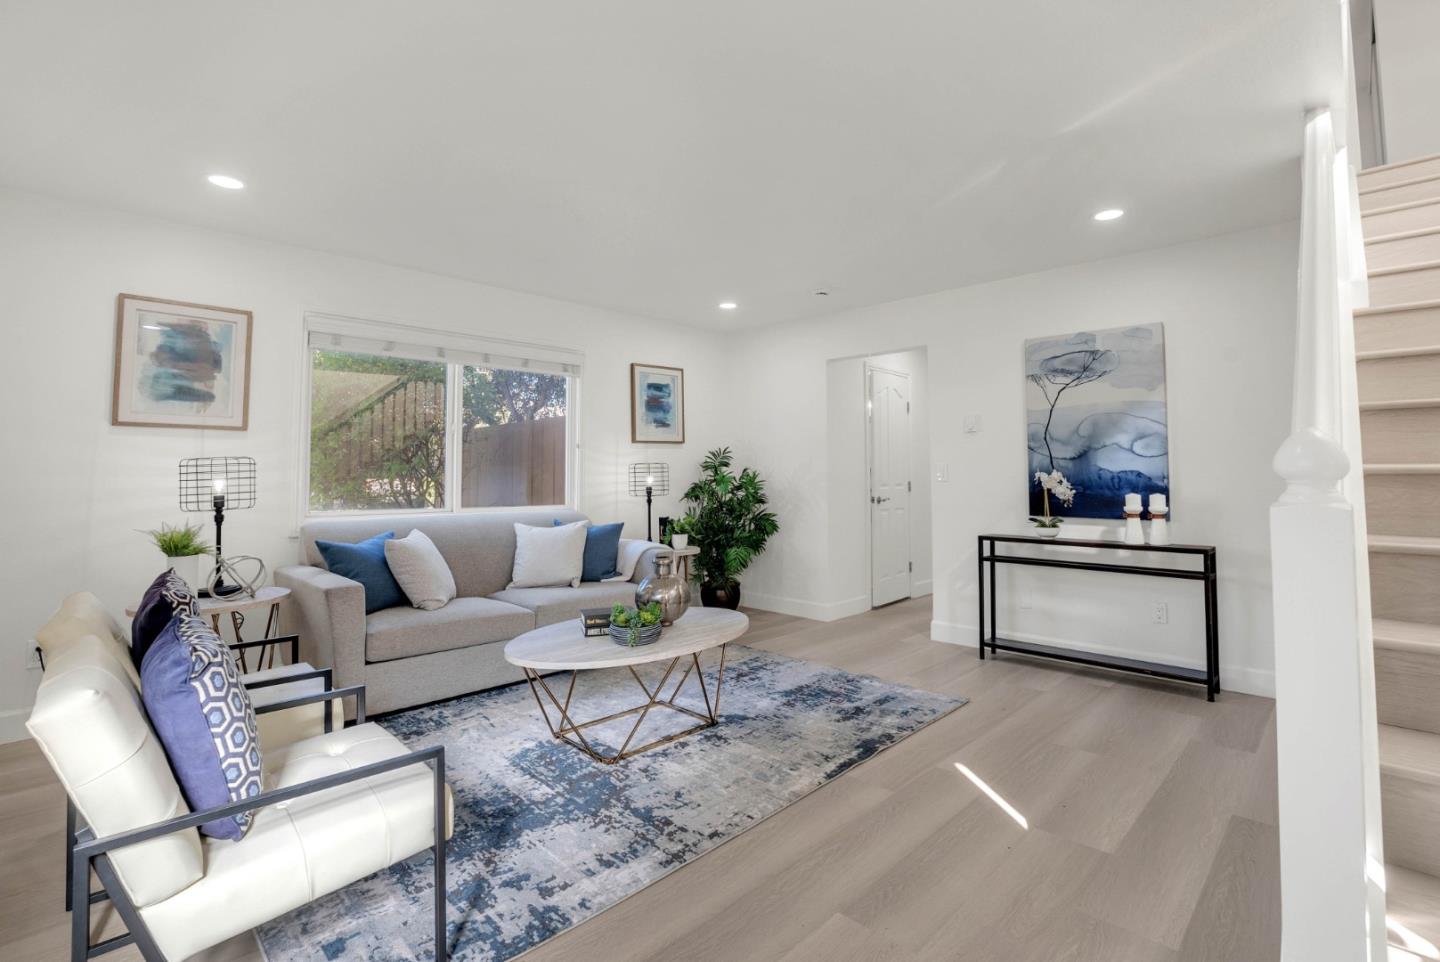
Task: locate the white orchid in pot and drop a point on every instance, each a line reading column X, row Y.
column 1048, row 526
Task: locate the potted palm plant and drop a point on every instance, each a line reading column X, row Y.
column 730, row 524
column 182, row 548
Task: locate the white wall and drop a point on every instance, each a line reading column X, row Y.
column 76, row 489
column 847, row 486
column 1406, row 36
column 1228, row 305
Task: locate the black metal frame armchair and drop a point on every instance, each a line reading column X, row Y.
column 85, row 852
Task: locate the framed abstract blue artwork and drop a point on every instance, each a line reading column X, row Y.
column 181, row 365
column 657, row 404
column 1095, row 412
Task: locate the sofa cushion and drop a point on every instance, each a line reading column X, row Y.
column 421, row 570
column 602, row 550
column 364, row 561
column 81, row 615
column 192, row 692
column 479, row 546
column 557, row 604
column 548, row 556
column 406, row 632
column 88, row 721
column 303, row 849
column 167, row 596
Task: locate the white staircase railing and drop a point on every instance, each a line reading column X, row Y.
column 1331, row 857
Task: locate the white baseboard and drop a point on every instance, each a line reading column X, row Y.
column 799, row 608
column 919, row 589
column 12, row 725
column 1251, row 681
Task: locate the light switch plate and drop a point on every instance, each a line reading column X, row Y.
column 972, row 424
column 942, row 472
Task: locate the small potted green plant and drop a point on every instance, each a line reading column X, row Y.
column 681, row 529
column 182, row 548
column 635, row 626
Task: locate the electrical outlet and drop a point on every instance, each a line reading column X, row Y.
column 1160, row 613
column 32, row 658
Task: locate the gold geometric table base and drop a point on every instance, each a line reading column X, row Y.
column 571, row 732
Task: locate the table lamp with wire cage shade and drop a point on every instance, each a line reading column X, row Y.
column 647, row 479
column 218, row 484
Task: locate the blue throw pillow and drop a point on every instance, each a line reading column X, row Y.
column 191, row 688
column 365, row 562
column 167, row 596
column 602, row 550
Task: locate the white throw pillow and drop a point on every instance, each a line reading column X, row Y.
column 420, row 570
column 545, row 557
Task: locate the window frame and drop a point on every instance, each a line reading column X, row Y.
column 440, row 341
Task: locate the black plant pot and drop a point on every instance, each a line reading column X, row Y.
column 721, row 596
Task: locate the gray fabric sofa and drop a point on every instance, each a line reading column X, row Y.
column 406, row 656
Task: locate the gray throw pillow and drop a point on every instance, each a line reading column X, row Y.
column 421, row 570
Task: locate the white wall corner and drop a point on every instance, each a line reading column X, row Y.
column 799, row 608
column 12, row 724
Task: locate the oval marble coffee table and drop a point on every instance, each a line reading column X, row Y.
column 565, row 647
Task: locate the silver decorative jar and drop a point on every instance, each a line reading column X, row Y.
column 664, row 586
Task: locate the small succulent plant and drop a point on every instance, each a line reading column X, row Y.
column 634, row 619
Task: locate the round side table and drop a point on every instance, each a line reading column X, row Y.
column 237, row 606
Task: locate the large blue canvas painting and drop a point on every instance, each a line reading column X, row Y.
column 1095, row 411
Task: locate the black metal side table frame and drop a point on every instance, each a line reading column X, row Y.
column 989, row 555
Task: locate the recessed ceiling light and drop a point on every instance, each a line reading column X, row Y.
column 223, row 180
column 1113, row 213
column 728, row 305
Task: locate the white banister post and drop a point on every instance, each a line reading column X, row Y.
column 1330, row 864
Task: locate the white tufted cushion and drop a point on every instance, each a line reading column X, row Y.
column 79, row 615
column 91, row 651
column 88, row 721
column 85, row 603
column 300, row 850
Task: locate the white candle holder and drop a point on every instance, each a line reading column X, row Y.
column 1159, row 527
column 1134, row 531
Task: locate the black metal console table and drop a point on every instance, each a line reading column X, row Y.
column 990, row 555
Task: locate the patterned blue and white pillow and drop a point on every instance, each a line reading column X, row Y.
column 167, row 596
column 191, row 687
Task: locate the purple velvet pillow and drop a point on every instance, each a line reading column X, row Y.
column 167, row 596
column 190, row 685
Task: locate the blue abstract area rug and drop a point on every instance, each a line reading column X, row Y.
column 545, row 837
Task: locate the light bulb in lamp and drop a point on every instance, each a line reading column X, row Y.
column 219, row 485
column 650, row 481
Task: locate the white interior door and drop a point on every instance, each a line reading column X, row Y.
column 889, row 406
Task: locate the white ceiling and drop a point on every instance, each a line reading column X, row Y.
column 659, row 156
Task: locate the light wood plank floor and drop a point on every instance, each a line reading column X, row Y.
column 1143, row 830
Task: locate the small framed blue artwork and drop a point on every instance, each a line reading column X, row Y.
column 1095, row 412
column 181, row 365
column 657, row 404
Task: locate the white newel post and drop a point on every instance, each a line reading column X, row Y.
column 1331, row 865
